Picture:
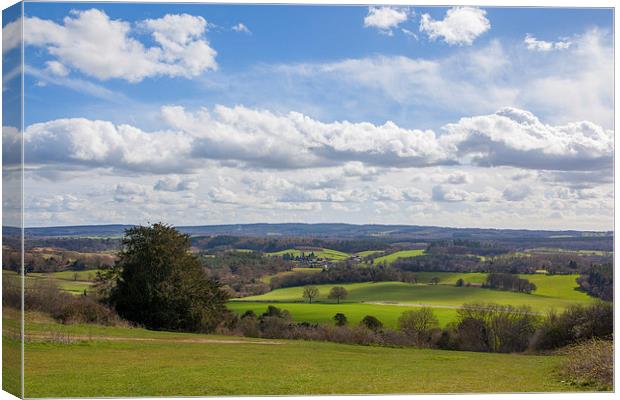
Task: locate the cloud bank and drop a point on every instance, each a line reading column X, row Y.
column 245, row 137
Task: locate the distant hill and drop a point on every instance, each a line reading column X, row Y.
column 327, row 230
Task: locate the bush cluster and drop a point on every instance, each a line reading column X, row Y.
column 479, row 327
column 44, row 296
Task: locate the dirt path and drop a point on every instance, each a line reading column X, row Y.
column 68, row 337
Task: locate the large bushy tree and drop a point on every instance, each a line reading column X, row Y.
column 161, row 285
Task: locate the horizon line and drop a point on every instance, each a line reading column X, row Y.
column 312, row 223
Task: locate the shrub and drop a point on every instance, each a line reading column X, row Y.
column 371, row 323
column 248, row 326
column 590, row 363
column 459, row 282
column 340, row 319
column 575, row 324
column 495, row 328
column 44, row 296
column 420, row 325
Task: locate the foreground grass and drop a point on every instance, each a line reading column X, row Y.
column 137, row 362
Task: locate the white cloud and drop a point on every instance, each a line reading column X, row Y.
column 223, row 195
column 293, row 140
column 460, row 26
column 244, row 137
column 575, row 84
column 540, row 45
column 409, row 33
column 11, row 35
column 240, row 27
column 103, row 144
column 91, row 42
column 518, row 138
column 516, row 193
column 451, row 83
column 130, row 192
column 457, row 178
column 385, row 18
column 174, row 183
column 56, row 68
column 446, row 194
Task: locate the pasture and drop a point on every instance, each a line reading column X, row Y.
column 114, row 362
column 387, row 300
column 327, row 254
column 74, row 282
column 390, row 258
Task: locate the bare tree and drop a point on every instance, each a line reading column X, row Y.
column 311, row 292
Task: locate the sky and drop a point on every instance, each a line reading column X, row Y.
column 197, row 114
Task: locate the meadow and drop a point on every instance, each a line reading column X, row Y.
column 327, row 254
column 387, row 300
column 148, row 363
column 390, row 258
column 74, row 282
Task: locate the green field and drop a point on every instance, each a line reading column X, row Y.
column 114, row 362
column 390, row 258
column 324, row 312
column 387, row 300
column 368, row 253
column 69, row 281
column 327, row 254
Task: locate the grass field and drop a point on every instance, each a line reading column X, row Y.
column 114, row 362
column 387, row 300
column 327, row 254
column 324, row 312
column 390, row 258
column 69, row 281
column 368, row 253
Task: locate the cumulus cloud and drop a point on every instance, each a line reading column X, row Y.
column 244, row 137
column 460, row 26
column 516, row 193
column 56, row 68
column 457, row 178
column 99, row 143
column 447, row 194
column 385, row 18
column 91, row 42
column 293, row 140
column 130, row 192
column 240, row 27
column 223, row 195
column 540, row 45
column 174, row 183
column 517, row 138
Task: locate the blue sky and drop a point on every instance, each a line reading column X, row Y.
column 284, row 35
column 198, row 114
